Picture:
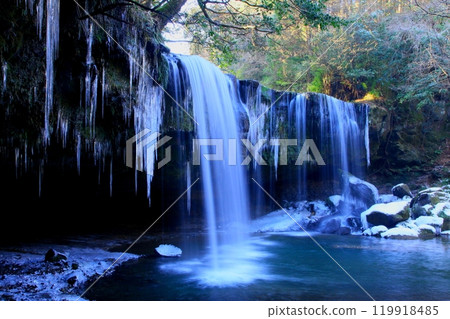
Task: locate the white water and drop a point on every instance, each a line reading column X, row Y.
column 366, row 137
column 298, row 107
column 225, row 190
column 188, row 187
column 52, row 44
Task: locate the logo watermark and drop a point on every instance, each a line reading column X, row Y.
column 213, row 149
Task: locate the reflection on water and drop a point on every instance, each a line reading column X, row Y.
column 288, row 267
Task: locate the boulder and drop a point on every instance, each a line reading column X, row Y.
column 54, row 256
column 387, row 215
column 400, row 233
column 168, row 251
column 354, row 222
column 333, row 201
column 421, row 200
column 331, row 226
column 445, row 215
column 360, row 194
column 72, row 280
column 344, row 230
column 426, row 231
column 401, row 190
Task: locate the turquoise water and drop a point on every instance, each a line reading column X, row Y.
column 288, row 267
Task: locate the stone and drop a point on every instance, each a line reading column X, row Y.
column 387, row 215
column 333, row 201
column 418, row 211
column 427, row 231
column 332, row 226
column 54, row 256
column 401, row 190
column 72, row 280
column 421, row 200
column 361, row 194
column 344, row 230
column 354, row 222
column 75, row 266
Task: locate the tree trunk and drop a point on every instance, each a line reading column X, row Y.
column 168, row 11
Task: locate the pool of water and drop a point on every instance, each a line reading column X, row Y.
column 286, row 267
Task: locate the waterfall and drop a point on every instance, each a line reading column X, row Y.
column 226, row 201
column 366, row 137
column 297, row 120
column 52, row 44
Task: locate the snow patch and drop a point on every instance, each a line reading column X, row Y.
column 168, row 251
column 400, row 232
column 429, row 220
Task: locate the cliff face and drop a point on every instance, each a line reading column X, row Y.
column 114, row 79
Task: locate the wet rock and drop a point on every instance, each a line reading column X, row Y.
column 387, row 215
column 344, row 231
column 72, row 280
column 361, row 191
column 75, row 266
column 427, row 232
column 401, row 190
column 54, row 256
column 354, row 222
column 331, row 226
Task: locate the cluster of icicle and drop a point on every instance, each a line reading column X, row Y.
column 145, row 98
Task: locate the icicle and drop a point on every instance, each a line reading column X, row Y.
column 366, row 136
column 93, row 104
column 16, row 160
column 276, row 151
column 52, row 44
column 62, row 128
column 188, row 187
column 104, row 88
column 148, row 115
column 5, row 75
column 26, row 156
column 87, row 80
column 110, row 177
column 78, row 153
column 39, row 17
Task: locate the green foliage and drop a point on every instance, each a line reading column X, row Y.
column 317, row 83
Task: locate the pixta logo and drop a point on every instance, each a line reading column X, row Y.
column 146, row 144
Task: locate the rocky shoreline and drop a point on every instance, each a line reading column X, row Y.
column 33, row 272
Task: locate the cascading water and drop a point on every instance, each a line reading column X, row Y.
column 225, row 191
column 297, row 120
column 226, row 198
